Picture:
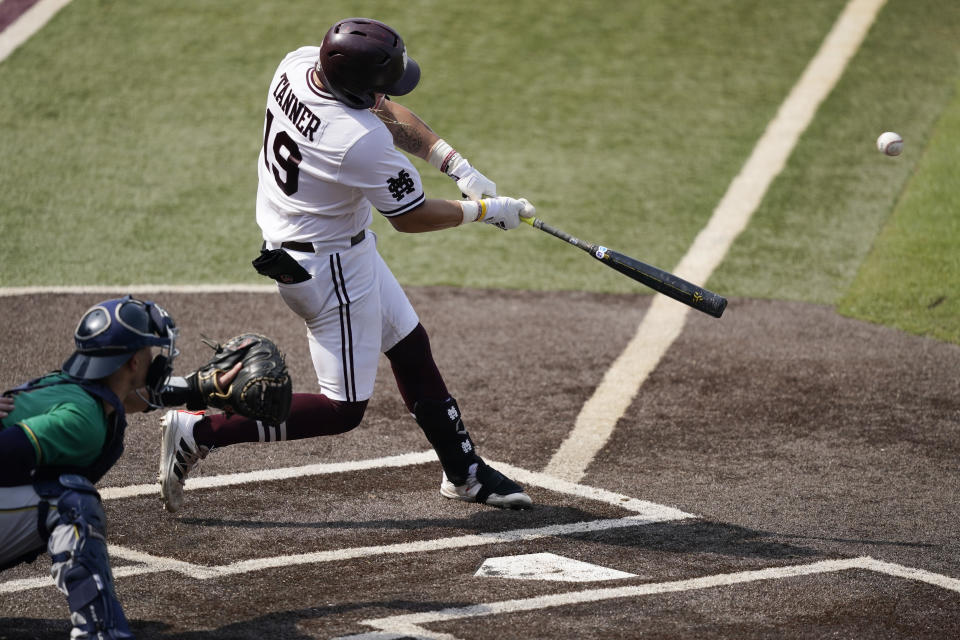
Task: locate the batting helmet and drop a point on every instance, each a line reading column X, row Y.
column 361, row 57
column 110, row 333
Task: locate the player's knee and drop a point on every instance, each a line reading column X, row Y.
column 314, row 414
column 349, row 414
column 78, row 543
column 413, row 347
column 80, row 504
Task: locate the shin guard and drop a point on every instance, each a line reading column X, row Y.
column 443, row 426
column 81, row 567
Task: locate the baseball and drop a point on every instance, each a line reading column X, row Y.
column 890, row 143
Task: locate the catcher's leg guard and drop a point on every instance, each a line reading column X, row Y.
column 442, row 425
column 81, row 567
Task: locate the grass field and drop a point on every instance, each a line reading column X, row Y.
column 131, row 132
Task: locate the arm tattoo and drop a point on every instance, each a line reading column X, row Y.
column 406, row 135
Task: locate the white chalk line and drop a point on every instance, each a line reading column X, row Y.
column 644, row 513
column 663, row 322
column 147, row 563
column 410, row 625
column 520, row 475
column 27, row 24
column 267, row 475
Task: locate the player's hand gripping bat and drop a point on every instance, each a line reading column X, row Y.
column 657, row 279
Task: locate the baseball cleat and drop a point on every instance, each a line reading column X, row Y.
column 179, row 454
column 486, row 485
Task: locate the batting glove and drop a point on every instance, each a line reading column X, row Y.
column 502, row 212
column 472, row 183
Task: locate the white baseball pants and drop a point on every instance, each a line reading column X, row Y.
column 354, row 310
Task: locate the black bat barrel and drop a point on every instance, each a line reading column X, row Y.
column 657, row 279
column 664, row 282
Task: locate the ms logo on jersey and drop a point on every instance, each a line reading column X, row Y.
column 401, row 185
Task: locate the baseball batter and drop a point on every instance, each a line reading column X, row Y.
column 331, row 154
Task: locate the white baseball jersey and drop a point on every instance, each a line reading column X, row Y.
column 321, row 168
column 323, row 164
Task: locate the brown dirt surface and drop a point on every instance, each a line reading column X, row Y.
column 790, row 434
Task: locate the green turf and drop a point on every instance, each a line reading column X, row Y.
column 135, row 153
column 131, row 130
column 623, row 126
column 911, row 276
column 821, row 216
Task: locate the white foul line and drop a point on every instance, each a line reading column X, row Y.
column 267, row 475
column 662, row 324
column 27, row 24
column 410, row 625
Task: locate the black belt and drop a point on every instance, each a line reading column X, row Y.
column 308, row 246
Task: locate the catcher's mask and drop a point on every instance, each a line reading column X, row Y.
column 110, row 333
column 360, row 57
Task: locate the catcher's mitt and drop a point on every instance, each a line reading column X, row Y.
column 262, row 388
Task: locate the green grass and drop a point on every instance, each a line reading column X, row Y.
column 131, row 131
column 821, row 216
column 136, row 152
column 911, row 276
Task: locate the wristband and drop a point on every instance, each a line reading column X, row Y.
column 445, row 158
column 473, row 210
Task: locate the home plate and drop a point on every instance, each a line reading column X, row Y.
column 546, row 566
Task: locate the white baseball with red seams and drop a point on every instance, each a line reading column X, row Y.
column 890, row 143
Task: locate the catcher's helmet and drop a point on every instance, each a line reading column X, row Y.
column 360, row 57
column 110, row 333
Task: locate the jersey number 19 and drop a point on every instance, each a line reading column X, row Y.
column 286, row 157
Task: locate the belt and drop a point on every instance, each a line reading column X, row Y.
column 308, row 246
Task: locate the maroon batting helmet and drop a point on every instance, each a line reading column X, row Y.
column 360, row 57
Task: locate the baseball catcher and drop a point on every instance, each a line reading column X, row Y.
column 60, row 434
column 261, row 389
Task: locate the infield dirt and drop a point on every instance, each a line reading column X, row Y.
column 792, row 434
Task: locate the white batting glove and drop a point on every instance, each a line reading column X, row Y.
column 471, row 182
column 502, row 212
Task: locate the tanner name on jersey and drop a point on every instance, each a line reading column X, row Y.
column 299, row 115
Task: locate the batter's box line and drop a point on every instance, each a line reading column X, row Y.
column 144, row 563
column 522, row 476
column 410, row 626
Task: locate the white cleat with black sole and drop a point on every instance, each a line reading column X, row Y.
column 487, row 486
column 179, row 454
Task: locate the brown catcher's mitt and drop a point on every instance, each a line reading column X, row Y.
column 262, row 388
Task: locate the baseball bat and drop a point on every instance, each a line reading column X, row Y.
column 659, row 280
